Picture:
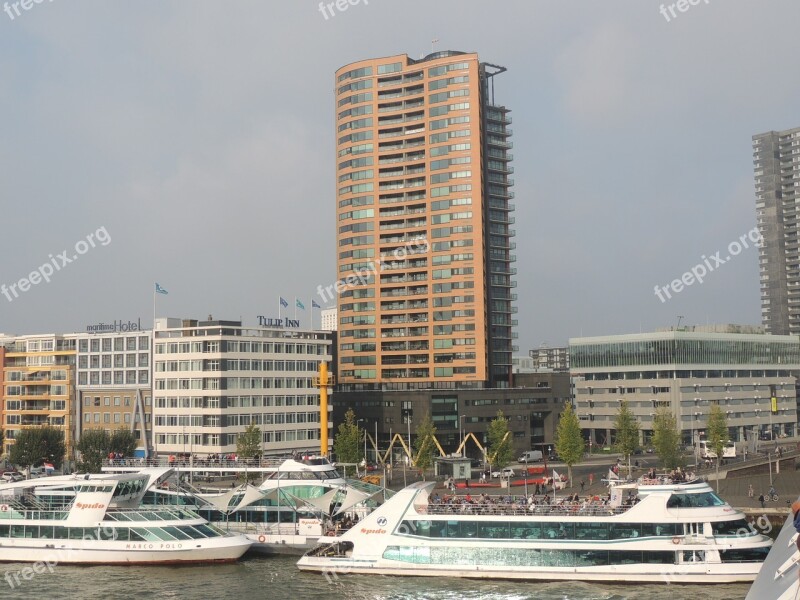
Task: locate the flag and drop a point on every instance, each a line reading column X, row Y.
column 299, row 304
column 556, row 476
column 284, row 303
column 314, row 304
column 612, row 476
column 160, row 290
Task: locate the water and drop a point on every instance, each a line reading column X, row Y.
column 277, row 577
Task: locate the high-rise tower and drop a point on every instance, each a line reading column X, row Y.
column 776, row 158
column 424, row 248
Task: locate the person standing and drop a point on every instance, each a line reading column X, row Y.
column 583, row 485
column 761, row 499
column 591, row 479
column 750, row 491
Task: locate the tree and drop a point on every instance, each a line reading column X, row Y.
column 424, row 444
column 248, row 444
column 2, row 441
column 717, row 434
column 627, row 427
column 123, row 441
column 569, row 439
column 347, row 443
column 667, row 438
column 94, row 447
column 36, row 445
column 500, row 449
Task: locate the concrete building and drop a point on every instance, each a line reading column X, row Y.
column 532, row 411
column 39, row 386
column 328, row 319
column 551, row 359
column 776, row 159
column 114, row 382
column 423, row 225
column 748, row 375
column 214, row 378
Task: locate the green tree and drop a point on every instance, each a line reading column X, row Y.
column 500, row 449
column 347, row 443
column 627, row 428
column 36, row 445
column 248, row 444
column 424, row 445
column 667, row 438
column 570, row 444
column 123, row 441
column 717, row 434
column 2, row 442
column 94, row 447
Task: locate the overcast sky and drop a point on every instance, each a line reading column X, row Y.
column 200, row 135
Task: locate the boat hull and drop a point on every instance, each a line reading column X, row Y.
column 93, row 552
column 700, row 574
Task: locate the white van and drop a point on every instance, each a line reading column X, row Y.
column 530, row 456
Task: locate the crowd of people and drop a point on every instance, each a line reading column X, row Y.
column 511, row 504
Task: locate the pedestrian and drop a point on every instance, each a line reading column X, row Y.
column 583, row 484
column 750, row 491
column 761, row 499
column 466, row 483
column 591, row 479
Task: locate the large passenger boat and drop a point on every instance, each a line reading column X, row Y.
column 299, row 501
column 779, row 578
column 656, row 532
column 97, row 519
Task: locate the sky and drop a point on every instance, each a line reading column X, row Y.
column 192, row 144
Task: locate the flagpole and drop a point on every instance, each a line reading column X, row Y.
column 295, row 308
column 279, row 308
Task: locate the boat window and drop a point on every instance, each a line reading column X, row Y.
column 138, row 535
column 737, row 527
column 744, row 555
column 177, row 533
column 108, row 534
column 525, row 531
column 703, row 500
column 493, row 530
column 192, row 532
column 591, row 531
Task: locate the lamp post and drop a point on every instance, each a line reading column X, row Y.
column 460, row 436
column 365, row 443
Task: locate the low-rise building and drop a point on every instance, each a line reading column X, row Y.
column 749, row 375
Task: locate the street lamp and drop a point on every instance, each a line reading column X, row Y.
column 365, row 442
column 460, row 436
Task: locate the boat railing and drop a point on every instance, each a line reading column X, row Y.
column 156, row 514
column 166, row 461
column 521, row 509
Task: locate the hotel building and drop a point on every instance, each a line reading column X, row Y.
column 114, row 383
column 776, row 161
column 214, row 378
column 38, row 386
column 749, row 375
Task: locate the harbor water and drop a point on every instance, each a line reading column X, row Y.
column 268, row 578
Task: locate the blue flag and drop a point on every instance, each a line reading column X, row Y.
column 299, row 304
column 284, row 303
column 160, row 290
column 314, row 304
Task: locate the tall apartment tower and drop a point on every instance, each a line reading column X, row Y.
column 423, row 225
column 776, row 157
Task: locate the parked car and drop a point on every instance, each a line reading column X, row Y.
column 12, row 477
column 553, row 457
column 505, row 473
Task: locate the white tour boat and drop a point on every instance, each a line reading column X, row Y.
column 655, row 532
column 97, row 519
column 779, row 578
column 299, row 501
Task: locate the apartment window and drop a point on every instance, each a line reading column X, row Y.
column 96, row 417
column 95, row 344
column 106, row 417
column 116, row 400
column 119, row 344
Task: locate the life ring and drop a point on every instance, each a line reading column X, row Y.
column 261, row 539
column 4, row 508
column 676, row 540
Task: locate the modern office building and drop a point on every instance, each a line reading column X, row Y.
column 39, row 386
column 423, row 225
column 776, row 158
column 215, row 378
column 748, row 375
column 114, row 383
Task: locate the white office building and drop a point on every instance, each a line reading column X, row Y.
column 213, row 379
